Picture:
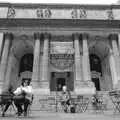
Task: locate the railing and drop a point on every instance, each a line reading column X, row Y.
column 53, row 103
column 115, row 98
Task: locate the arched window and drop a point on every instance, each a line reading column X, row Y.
column 26, row 63
column 95, row 67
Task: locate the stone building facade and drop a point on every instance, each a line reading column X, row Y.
column 56, row 45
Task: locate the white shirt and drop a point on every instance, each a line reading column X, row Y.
column 27, row 89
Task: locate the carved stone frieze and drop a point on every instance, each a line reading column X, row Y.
column 79, row 14
column 11, row 12
column 110, row 14
column 43, row 13
column 74, row 14
column 83, row 13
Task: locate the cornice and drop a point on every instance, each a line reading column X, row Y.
column 61, row 23
column 59, row 6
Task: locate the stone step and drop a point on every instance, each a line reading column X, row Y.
column 52, row 102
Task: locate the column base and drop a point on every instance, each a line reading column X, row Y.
column 42, row 88
column 1, row 87
column 117, row 86
column 84, row 87
column 41, row 91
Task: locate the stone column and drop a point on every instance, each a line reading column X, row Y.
column 113, row 68
column 36, row 61
column 45, row 73
column 119, row 42
column 119, row 60
column 4, row 59
column 114, row 59
column 8, row 79
column 1, row 43
column 77, row 57
column 86, row 62
column 78, row 78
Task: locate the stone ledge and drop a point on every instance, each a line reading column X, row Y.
column 85, row 91
column 41, row 91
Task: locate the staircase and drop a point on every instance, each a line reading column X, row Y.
column 51, row 103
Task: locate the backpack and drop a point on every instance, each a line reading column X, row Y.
column 72, row 109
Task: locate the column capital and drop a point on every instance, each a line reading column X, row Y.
column 46, row 35
column 8, row 36
column 37, row 35
column 84, row 36
column 75, row 36
column 113, row 37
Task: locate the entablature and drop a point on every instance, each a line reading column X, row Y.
column 59, row 11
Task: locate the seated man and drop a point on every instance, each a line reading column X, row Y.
column 23, row 96
column 6, row 100
column 65, row 98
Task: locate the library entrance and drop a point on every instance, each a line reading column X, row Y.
column 59, row 79
column 60, row 83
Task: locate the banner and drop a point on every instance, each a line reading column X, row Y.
column 61, row 54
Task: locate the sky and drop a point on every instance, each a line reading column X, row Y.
column 64, row 1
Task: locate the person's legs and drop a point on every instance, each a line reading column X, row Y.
column 7, row 104
column 26, row 103
column 18, row 103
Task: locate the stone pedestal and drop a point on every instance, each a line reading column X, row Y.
column 84, row 88
column 43, row 88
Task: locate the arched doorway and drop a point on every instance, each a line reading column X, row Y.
column 100, row 65
column 96, row 71
column 26, row 66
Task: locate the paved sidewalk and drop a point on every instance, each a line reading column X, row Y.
column 36, row 115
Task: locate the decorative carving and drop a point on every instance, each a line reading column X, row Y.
column 110, row 14
column 37, row 36
column 75, row 36
column 85, row 36
column 74, row 14
column 113, row 37
column 47, row 13
column 24, row 37
column 83, row 13
column 8, row 36
column 39, row 13
column 43, row 13
column 11, row 13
